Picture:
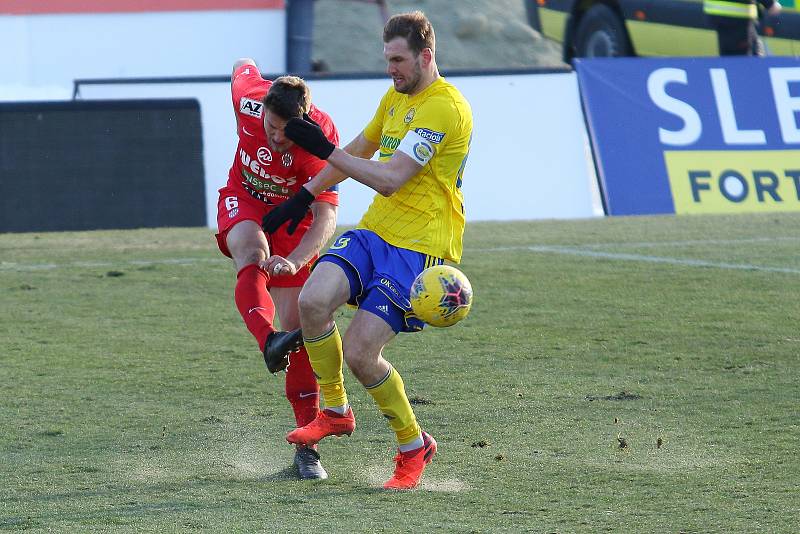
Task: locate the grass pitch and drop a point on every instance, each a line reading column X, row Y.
column 622, row 375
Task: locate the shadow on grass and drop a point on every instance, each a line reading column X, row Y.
column 289, row 473
column 123, row 507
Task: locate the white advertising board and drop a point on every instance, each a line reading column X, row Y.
column 530, row 155
column 52, row 50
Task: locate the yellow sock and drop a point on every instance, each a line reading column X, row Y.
column 390, row 395
column 325, row 356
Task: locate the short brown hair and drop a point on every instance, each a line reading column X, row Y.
column 289, row 97
column 414, row 27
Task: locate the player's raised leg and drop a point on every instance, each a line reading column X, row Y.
column 324, row 292
column 248, row 245
column 363, row 349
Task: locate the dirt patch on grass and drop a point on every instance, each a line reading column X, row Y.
column 621, row 396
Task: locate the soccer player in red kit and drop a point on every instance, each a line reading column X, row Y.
column 267, row 169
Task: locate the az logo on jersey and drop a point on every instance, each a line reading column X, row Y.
column 251, row 107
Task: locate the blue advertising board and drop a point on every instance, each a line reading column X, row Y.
column 694, row 135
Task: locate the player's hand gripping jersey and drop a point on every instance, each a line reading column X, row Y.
column 265, row 174
column 435, row 128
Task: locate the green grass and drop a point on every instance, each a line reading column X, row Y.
column 133, row 399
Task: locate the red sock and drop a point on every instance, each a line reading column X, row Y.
column 254, row 302
column 302, row 389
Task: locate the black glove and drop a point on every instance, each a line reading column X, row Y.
column 294, row 209
column 309, row 136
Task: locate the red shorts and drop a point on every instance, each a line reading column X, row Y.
column 236, row 205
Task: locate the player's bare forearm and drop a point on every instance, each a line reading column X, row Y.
column 385, row 178
column 354, row 161
column 317, row 235
column 324, row 180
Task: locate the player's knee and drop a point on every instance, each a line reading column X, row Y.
column 357, row 360
column 247, row 256
column 312, row 304
column 247, row 244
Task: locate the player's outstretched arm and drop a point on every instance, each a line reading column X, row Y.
column 359, row 147
column 385, row 178
column 295, row 208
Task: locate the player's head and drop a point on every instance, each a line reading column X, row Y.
column 289, row 97
column 409, row 46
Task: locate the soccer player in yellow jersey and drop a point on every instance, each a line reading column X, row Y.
column 422, row 130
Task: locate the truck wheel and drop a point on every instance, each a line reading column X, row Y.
column 601, row 33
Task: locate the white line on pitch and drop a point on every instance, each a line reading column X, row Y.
column 689, row 243
column 642, row 258
column 580, row 250
column 11, row 266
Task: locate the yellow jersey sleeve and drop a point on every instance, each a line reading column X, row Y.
column 427, row 213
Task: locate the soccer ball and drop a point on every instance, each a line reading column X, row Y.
column 441, row 295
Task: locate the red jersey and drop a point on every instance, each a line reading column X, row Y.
column 268, row 175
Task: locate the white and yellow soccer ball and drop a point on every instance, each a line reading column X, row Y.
column 441, row 295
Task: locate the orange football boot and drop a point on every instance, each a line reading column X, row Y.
column 409, row 465
column 327, row 423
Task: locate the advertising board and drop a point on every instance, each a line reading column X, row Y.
column 697, row 135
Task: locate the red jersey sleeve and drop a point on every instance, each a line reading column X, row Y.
column 248, row 89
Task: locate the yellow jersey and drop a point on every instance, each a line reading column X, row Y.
column 427, row 213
